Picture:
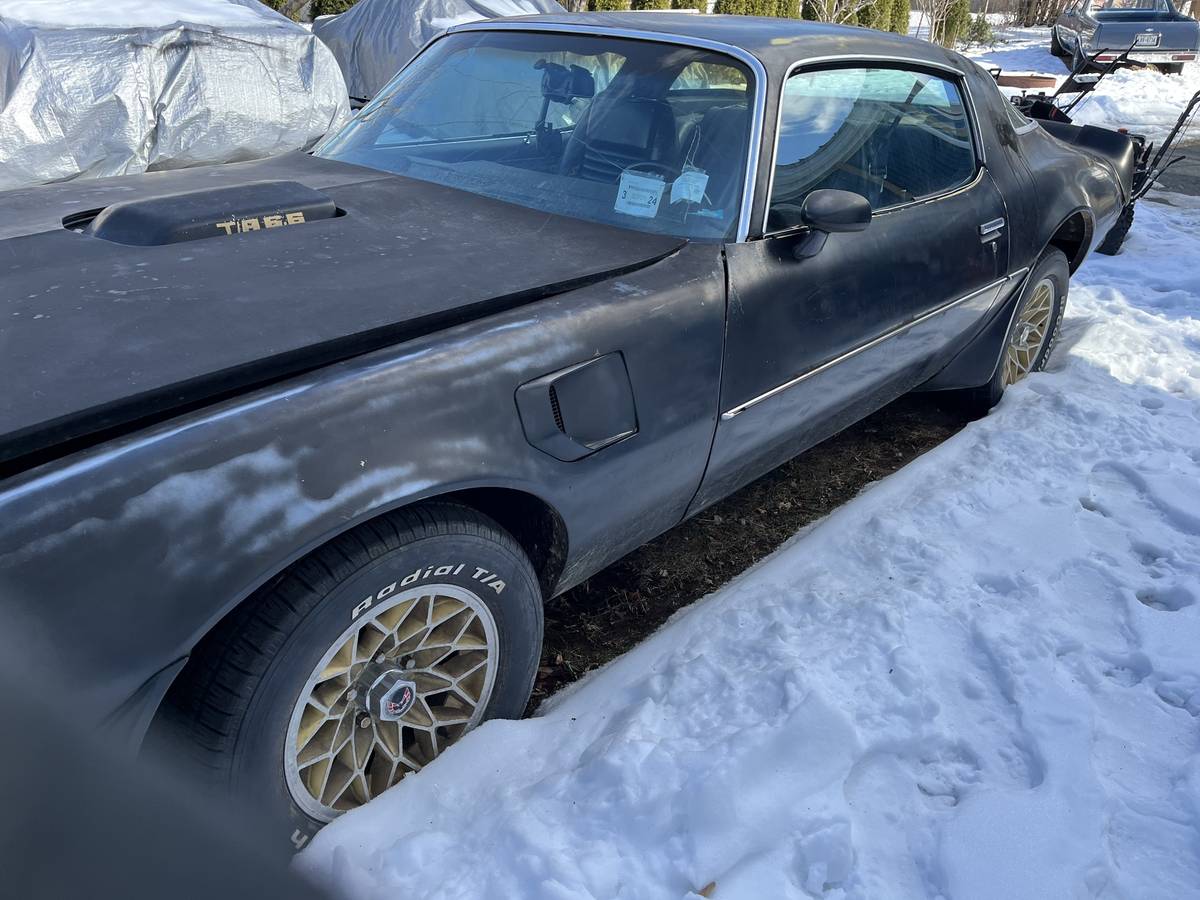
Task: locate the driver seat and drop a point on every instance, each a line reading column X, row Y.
column 614, row 135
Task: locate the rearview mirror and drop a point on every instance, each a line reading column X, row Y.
column 829, row 212
column 562, row 84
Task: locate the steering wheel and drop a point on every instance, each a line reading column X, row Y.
column 671, row 172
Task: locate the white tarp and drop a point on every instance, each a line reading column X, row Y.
column 90, row 88
column 374, row 38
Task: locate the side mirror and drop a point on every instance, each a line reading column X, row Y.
column 836, row 211
column 829, row 212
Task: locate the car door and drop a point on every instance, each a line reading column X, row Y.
column 1085, row 27
column 814, row 342
column 1068, row 26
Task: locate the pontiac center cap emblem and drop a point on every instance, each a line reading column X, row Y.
column 396, row 702
column 392, row 697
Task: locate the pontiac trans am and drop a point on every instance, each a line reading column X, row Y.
column 292, row 451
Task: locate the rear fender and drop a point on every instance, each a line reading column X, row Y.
column 976, row 363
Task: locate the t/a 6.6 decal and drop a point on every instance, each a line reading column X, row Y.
column 258, row 223
column 475, row 573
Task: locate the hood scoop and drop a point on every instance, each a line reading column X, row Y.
column 197, row 215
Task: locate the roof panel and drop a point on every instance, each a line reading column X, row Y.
column 776, row 42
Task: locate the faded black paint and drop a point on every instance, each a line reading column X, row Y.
column 117, row 558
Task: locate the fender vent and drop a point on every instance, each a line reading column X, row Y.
column 556, row 410
column 598, row 399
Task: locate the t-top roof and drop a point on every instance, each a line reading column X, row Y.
column 777, row 43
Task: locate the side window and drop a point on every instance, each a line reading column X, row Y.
column 707, row 76
column 1017, row 118
column 891, row 135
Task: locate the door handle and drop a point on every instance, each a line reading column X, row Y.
column 990, row 231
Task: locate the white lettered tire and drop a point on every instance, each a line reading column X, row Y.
column 363, row 662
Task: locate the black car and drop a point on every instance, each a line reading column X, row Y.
column 293, row 451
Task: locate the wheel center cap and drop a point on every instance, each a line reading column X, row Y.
column 391, row 696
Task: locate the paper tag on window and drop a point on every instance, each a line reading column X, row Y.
column 639, row 195
column 689, row 185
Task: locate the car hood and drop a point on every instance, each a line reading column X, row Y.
column 155, row 309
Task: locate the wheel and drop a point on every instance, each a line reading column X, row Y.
column 362, row 663
column 1056, row 47
column 1171, row 68
column 1033, row 331
column 1116, row 235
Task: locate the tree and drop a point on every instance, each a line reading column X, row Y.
column 607, row 5
column 650, row 4
column 877, row 14
column 1039, row 12
column 956, row 23
column 980, row 31
column 699, row 5
column 900, row 11
column 842, row 12
column 330, row 7
column 936, row 13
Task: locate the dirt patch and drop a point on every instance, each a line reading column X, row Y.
column 614, row 610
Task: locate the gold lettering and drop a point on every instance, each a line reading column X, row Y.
column 228, row 227
column 273, row 221
column 295, row 218
column 249, row 225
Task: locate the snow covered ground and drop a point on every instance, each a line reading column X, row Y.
column 1143, row 100
column 978, row 679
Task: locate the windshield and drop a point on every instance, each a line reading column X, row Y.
column 1140, row 5
column 633, row 133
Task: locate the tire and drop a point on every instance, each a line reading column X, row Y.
column 241, row 705
column 1056, row 47
column 1171, row 68
column 1052, row 268
column 1115, row 238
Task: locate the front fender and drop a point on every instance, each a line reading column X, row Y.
column 118, row 559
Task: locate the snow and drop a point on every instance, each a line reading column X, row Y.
column 1020, row 51
column 134, row 13
column 977, row 679
column 1143, row 100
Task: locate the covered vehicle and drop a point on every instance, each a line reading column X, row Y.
column 293, row 451
column 93, row 88
column 375, row 38
column 1152, row 31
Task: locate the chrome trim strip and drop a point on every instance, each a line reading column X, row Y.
column 945, row 307
column 1027, row 127
column 751, row 61
column 972, row 118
